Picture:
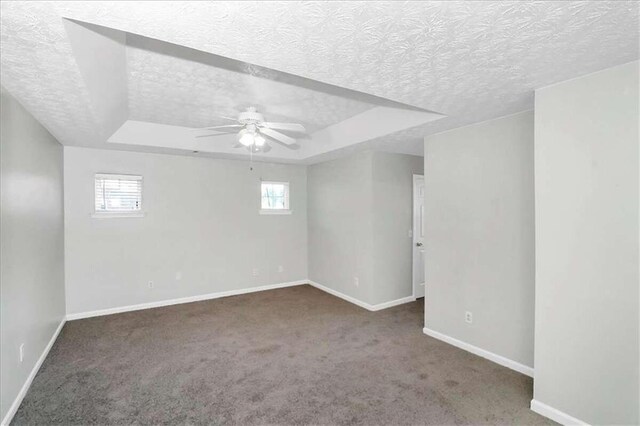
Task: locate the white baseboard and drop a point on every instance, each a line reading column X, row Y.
column 178, row 301
column 25, row 387
column 340, row 295
column 360, row 303
column 498, row 359
column 138, row 307
column 554, row 414
column 391, row 303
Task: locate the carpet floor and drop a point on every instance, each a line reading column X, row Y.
column 290, row 356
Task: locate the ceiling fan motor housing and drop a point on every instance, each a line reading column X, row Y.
column 250, row 116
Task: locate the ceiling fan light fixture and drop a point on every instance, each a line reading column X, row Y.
column 246, row 138
column 254, row 131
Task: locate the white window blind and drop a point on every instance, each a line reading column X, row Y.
column 118, row 194
column 275, row 197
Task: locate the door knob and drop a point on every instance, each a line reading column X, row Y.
column 419, row 244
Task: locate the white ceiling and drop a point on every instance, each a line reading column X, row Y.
column 128, row 72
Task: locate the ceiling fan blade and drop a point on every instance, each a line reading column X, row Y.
column 214, row 134
column 226, row 126
column 278, row 136
column 228, row 118
column 293, row 127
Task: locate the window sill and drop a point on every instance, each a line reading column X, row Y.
column 274, row 211
column 110, row 215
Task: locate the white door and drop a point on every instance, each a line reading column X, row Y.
column 418, row 236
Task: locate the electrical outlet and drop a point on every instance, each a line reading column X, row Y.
column 356, row 281
column 280, row 268
column 468, row 317
column 178, row 276
column 150, row 284
column 21, row 351
column 255, row 272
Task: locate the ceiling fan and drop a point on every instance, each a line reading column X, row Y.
column 253, row 131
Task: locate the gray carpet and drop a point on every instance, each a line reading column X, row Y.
column 288, row 356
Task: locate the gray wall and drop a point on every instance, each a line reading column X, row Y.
column 392, row 221
column 32, row 244
column 360, row 213
column 479, row 227
column 202, row 221
column 587, row 324
column 340, row 215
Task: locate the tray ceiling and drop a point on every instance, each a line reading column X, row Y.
column 357, row 75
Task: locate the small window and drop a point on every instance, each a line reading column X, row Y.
column 118, row 196
column 275, row 198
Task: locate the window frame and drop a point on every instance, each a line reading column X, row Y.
column 106, row 214
column 287, row 198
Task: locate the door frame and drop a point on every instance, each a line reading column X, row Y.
column 413, row 234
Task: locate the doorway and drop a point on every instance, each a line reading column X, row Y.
column 418, row 237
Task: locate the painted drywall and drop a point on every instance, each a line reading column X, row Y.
column 32, row 244
column 340, row 220
column 202, row 232
column 479, row 227
column 392, row 224
column 360, row 214
column 586, row 178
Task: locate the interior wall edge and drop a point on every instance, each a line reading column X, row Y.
column 498, row 359
column 27, row 384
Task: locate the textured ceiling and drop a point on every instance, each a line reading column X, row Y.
column 178, row 91
column 469, row 60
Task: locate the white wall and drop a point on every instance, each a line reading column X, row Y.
column 201, row 221
column 479, row 227
column 587, row 324
column 360, row 213
column 32, row 245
